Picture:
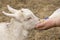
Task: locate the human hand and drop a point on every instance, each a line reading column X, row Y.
column 46, row 24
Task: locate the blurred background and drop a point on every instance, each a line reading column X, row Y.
column 41, row 8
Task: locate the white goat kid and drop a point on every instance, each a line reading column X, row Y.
column 22, row 21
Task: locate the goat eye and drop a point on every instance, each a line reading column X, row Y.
column 29, row 18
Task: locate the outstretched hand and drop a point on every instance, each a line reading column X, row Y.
column 49, row 23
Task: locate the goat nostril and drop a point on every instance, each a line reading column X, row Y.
column 21, row 11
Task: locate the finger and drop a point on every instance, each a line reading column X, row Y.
column 45, row 28
column 48, row 24
column 39, row 25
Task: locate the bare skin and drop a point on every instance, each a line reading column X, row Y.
column 49, row 23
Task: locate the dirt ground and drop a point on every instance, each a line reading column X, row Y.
column 42, row 9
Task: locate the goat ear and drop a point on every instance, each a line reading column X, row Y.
column 7, row 14
column 11, row 9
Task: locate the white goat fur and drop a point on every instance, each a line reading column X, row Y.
column 21, row 21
